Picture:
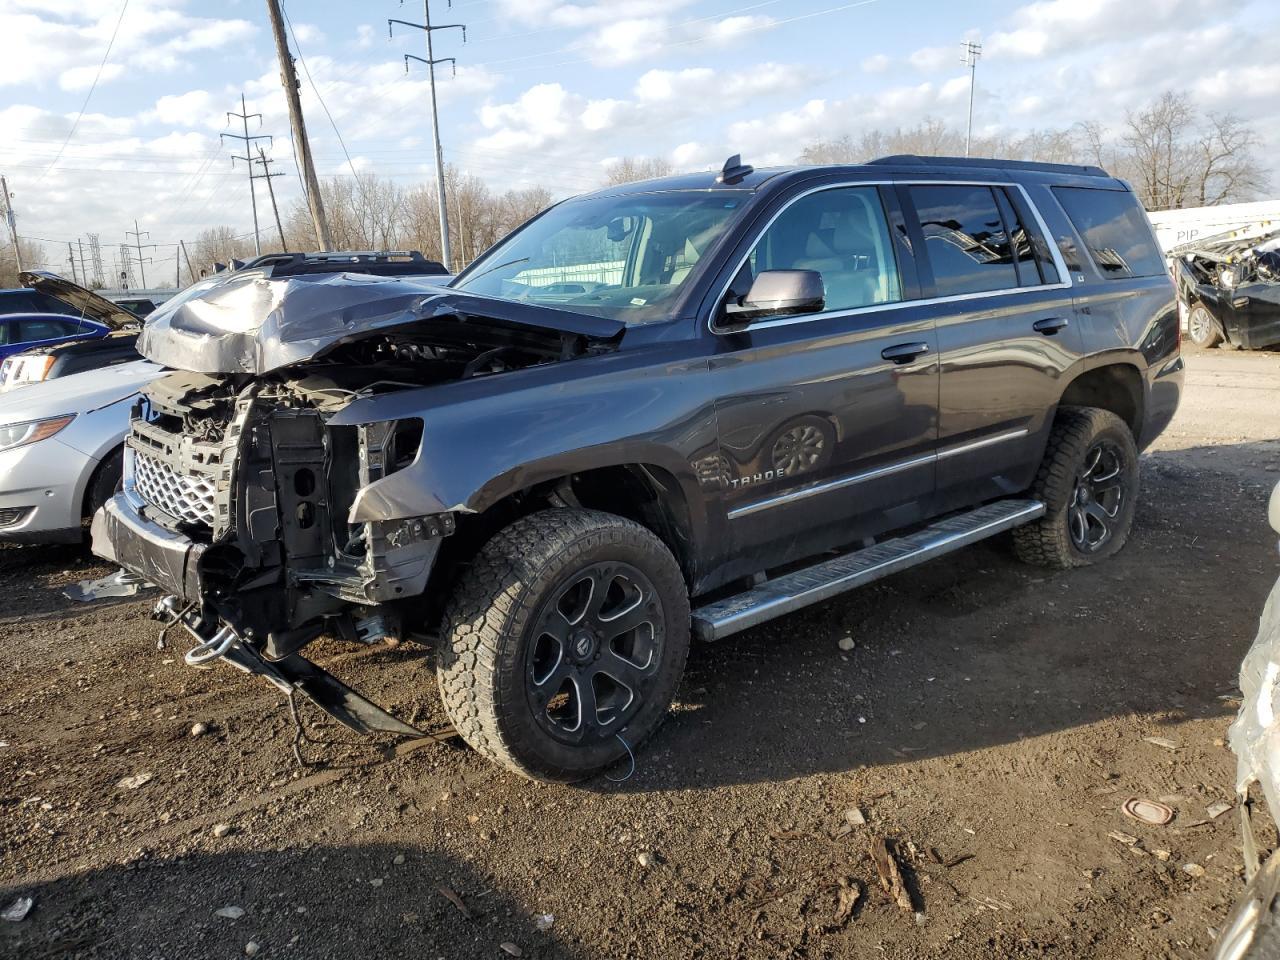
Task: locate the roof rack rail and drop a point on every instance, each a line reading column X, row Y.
column 911, row 159
column 387, row 262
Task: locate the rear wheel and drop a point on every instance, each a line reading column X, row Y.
column 1088, row 482
column 564, row 642
column 1202, row 329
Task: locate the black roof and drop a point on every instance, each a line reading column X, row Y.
column 906, row 163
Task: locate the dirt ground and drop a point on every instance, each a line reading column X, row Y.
column 992, row 714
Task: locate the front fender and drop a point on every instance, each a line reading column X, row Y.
column 488, row 437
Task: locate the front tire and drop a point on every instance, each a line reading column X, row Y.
column 1088, row 482
column 563, row 644
column 1202, row 329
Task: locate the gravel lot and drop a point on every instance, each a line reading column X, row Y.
column 990, row 721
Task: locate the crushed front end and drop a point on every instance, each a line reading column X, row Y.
column 241, row 479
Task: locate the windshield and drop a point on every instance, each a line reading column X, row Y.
column 622, row 257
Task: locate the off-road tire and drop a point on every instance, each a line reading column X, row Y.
column 1076, row 431
column 485, row 635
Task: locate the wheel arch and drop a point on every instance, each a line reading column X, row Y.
column 1115, row 386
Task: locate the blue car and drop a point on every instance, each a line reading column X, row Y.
column 50, row 310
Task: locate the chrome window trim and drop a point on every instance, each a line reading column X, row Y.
column 889, row 469
column 1058, row 261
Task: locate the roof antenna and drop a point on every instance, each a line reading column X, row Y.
column 734, row 170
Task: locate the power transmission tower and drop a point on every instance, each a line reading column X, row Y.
column 244, row 117
column 266, row 175
column 13, row 223
column 126, row 266
column 137, row 235
column 95, row 251
column 301, row 145
column 972, row 51
column 431, row 62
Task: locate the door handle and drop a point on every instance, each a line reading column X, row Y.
column 1050, row 325
column 904, row 352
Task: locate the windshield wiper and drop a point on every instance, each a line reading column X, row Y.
column 509, row 263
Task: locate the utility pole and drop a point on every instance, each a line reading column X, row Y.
column 71, row 256
column 972, row 51
column 13, row 223
column 244, row 116
column 431, row 62
column 266, row 175
column 289, row 79
column 84, row 267
column 191, row 273
column 137, row 235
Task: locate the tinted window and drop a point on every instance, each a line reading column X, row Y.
column 4, row 333
column 965, row 238
column 840, row 233
column 1114, row 229
column 30, row 301
column 30, row 331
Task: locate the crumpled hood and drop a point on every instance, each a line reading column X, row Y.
column 249, row 323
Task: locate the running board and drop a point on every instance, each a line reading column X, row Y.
column 825, row 579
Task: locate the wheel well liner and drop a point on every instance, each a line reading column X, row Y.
column 1116, row 387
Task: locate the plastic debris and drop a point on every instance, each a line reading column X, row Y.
column 545, row 921
column 229, row 913
column 133, row 782
column 1215, row 810
column 17, row 911
column 119, row 584
column 1163, row 742
column 1147, row 811
column 1124, row 838
column 511, row 948
column 854, row 817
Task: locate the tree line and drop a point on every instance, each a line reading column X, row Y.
column 1174, row 154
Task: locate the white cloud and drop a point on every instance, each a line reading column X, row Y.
column 878, row 63
column 81, row 78
column 364, row 36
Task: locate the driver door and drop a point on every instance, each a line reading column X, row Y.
column 827, row 422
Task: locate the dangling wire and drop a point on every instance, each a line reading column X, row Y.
column 631, row 756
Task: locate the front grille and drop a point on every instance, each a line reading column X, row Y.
column 12, row 515
column 185, row 498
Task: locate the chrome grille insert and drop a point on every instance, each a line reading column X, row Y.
column 185, row 498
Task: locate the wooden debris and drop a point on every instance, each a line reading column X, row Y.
column 849, row 893
column 890, row 874
column 456, row 901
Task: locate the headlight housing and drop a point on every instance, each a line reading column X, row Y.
column 20, row 434
column 22, row 369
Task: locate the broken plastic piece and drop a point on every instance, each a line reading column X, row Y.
column 122, row 583
column 17, row 911
column 1148, row 811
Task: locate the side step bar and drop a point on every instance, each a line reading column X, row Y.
column 825, row 579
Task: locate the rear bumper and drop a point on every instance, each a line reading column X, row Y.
column 169, row 560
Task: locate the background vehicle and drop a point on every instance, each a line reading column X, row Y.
column 88, row 332
column 60, row 450
column 1252, row 932
column 691, row 391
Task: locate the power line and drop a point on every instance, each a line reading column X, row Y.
column 92, row 87
column 315, row 89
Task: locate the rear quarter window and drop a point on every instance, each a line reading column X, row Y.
column 1114, row 229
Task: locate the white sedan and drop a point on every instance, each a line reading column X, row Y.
column 61, row 450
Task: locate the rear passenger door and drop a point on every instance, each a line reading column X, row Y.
column 1002, row 305
column 827, row 421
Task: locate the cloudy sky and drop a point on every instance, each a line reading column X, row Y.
column 547, row 91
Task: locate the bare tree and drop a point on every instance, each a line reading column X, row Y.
column 630, row 169
column 1227, row 167
column 217, row 245
column 33, row 258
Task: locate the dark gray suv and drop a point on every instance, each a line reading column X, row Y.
column 742, row 392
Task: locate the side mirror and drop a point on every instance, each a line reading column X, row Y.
column 779, row 293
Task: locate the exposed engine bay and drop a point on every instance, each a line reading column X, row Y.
column 1235, row 277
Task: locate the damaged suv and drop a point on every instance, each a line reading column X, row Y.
column 742, row 392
